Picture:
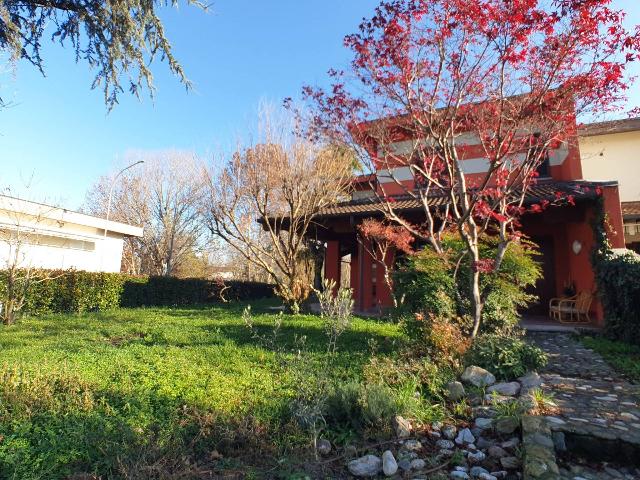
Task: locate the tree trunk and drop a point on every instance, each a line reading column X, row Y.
column 476, row 302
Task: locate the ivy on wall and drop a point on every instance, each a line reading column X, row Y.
column 618, row 281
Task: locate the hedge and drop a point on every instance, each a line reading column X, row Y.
column 619, row 290
column 72, row 291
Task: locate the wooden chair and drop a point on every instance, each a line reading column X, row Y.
column 571, row 309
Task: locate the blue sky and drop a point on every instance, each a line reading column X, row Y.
column 59, row 135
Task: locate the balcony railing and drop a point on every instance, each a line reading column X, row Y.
column 632, row 229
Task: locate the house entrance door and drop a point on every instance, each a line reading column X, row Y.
column 545, row 288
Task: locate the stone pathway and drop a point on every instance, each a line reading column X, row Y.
column 592, row 399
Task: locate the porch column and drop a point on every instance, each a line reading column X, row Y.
column 365, row 290
column 332, row 261
column 613, row 209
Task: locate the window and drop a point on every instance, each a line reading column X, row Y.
column 539, row 153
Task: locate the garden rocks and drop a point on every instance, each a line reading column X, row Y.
column 367, row 466
column 530, row 381
column 483, row 423
column 401, row 426
column 445, row 444
column 497, row 452
column 389, row 464
column 412, row 445
column 478, row 377
column 418, row 464
column 476, row 457
column 459, row 475
column 465, row 437
column 323, row 447
column 509, row 389
column 455, row 391
column 510, row 463
column 507, row 425
column 449, row 432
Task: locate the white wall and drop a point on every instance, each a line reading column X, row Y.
column 97, row 255
column 49, row 237
column 613, row 157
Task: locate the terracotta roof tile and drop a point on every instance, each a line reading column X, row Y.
column 607, row 128
column 581, row 190
column 630, row 209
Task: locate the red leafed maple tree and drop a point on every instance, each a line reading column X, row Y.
column 435, row 82
column 382, row 241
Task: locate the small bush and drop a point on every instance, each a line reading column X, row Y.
column 438, row 284
column 507, row 357
column 441, row 339
column 379, row 405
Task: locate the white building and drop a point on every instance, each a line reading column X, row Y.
column 43, row 236
column 611, row 150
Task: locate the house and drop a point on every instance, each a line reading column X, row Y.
column 563, row 233
column 610, row 150
column 35, row 235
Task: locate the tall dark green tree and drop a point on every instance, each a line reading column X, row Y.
column 119, row 39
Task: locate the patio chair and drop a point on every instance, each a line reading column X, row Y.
column 571, row 309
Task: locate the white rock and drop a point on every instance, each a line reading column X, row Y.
column 509, row 389
column 402, row 426
column 448, row 444
column 455, row 391
column 478, row 376
column 418, row 464
column 457, row 475
column 483, row 423
column 476, row 471
column 476, row 457
column 530, row 380
column 324, row 447
column 449, row 432
column 465, row 437
column 367, row 466
column 487, row 476
column 389, row 464
column 412, row 445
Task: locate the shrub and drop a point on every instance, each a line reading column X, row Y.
column 70, row 291
column 406, row 369
column 441, row 339
column 507, row 357
column 438, row 284
column 73, row 291
column 619, row 289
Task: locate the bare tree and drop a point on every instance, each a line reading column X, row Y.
column 283, row 182
column 19, row 235
column 163, row 197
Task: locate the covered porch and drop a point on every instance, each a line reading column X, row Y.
column 563, row 233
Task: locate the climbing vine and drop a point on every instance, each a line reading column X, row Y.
column 617, row 280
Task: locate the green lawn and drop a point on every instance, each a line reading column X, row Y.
column 622, row 356
column 149, row 393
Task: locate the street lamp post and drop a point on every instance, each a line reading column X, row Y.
column 113, row 184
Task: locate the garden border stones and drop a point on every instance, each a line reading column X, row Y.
column 538, row 449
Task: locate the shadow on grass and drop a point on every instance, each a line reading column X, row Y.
column 136, row 436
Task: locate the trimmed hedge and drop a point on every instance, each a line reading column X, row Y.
column 167, row 291
column 71, row 291
column 619, row 289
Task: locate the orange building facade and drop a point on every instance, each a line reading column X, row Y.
column 563, row 233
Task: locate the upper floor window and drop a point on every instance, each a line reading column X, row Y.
column 541, row 154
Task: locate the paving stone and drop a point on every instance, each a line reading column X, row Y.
column 591, row 398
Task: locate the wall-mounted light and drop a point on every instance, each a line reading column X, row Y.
column 577, row 247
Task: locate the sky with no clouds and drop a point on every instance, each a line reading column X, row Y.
column 58, row 137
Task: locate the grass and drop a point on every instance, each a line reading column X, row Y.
column 158, row 393
column 622, row 356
